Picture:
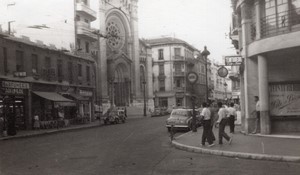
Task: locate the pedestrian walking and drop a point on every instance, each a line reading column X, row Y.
column 232, row 117
column 222, row 121
column 207, row 132
column 257, row 120
column 36, row 121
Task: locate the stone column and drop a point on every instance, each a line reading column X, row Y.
column 149, row 84
column 263, row 86
column 250, row 72
column 102, row 58
column 257, row 19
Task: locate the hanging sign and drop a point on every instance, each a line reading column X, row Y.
column 222, row 72
column 233, row 60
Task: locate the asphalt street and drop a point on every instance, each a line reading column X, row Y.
column 140, row 146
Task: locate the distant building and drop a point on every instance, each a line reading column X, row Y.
column 173, row 59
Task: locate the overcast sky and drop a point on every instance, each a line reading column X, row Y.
column 198, row 22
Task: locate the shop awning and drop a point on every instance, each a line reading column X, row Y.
column 79, row 97
column 52, row 96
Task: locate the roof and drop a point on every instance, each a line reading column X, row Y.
column 166, row 41
column 43, row 46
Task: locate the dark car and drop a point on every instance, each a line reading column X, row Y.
column 182, row 119
column 115, row 117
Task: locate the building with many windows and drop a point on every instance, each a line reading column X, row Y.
column 36, row 79
column 265, row 33
column 173, row 59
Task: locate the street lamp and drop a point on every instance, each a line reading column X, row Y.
column 205, row 53
column 144, row 83
column 225, row 85
column 111, row 82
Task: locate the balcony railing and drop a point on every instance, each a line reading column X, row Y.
column 277, row 24
column 178, row 74
column 178, row 58
column 82, row 8
column 85, row 31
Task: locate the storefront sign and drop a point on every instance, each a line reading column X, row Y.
column 284, row 99
column 233, row 60
column 192, row 77
column 222, row 72
column 86, row 93
column 14, row 88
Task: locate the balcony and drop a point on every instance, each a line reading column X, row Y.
column 178, row 74
column 179, row 89
column 277, row 24
column 84, row 31
column 178, row 58
column 233, row 76
column 191, row 62
column 86, row 11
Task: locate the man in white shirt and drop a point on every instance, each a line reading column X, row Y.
column 207, row 130
column 232, row 117
column 222, row 121
column 257, row 120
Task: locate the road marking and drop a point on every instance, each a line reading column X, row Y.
column 128, row 137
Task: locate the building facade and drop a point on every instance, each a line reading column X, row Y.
column 173, row 59
column 265, row 34
column 36, row 79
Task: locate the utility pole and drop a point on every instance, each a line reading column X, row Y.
column 205, row 53
column 9, row 27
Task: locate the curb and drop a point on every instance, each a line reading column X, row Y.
column 236, row 154
column 48, row 132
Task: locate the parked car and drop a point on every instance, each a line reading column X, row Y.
column 114, row 117
column 182, row 119
column 159, row 112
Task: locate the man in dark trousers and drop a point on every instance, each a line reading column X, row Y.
column 207, row 130
column 232, row 117
column 222, row 121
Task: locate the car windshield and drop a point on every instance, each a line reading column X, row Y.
column 181, row 113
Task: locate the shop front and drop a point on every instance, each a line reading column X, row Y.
column 14, row 105
column 51, row 108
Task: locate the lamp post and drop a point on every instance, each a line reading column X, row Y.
column 144, row 83
column 111, row 82
column 225, row 87
column 192, row 77
column 205, row 53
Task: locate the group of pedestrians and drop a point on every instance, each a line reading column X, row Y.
column 218, row 117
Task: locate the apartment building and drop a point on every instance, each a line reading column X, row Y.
column 265, row 34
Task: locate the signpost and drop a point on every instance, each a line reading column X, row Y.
column 192, row 77
column 222, row 72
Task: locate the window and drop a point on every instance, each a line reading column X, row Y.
column 78, row 44
column 178, row 83
column 70, row 72
column 77, row 18
column 162, row 85
column 177, row 68
column 87, row 47
column 47, row 62
column 161, row 70
column 19, row 61
column 160, row 54
column 88, row 76
column 34, row 63
column 179, row 101
column 79, row 70
column 177, row 51
column 163, row 102
column 5, row 60
column 59, row 69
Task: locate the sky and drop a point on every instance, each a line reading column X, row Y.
column 198, row 22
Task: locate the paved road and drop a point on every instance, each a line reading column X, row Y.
column 140, row 146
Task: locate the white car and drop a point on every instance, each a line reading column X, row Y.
column 182, row 118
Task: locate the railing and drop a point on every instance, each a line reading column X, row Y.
column 277, row 24
column 178, row 57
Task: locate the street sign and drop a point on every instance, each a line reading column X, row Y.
column 222, row 72
column 192, row 77
column 233, row 60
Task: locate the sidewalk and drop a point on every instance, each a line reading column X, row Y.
column 32, row 133
column 260, row 147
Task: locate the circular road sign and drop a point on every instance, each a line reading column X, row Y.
column 192, row 77
column 222, row 72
